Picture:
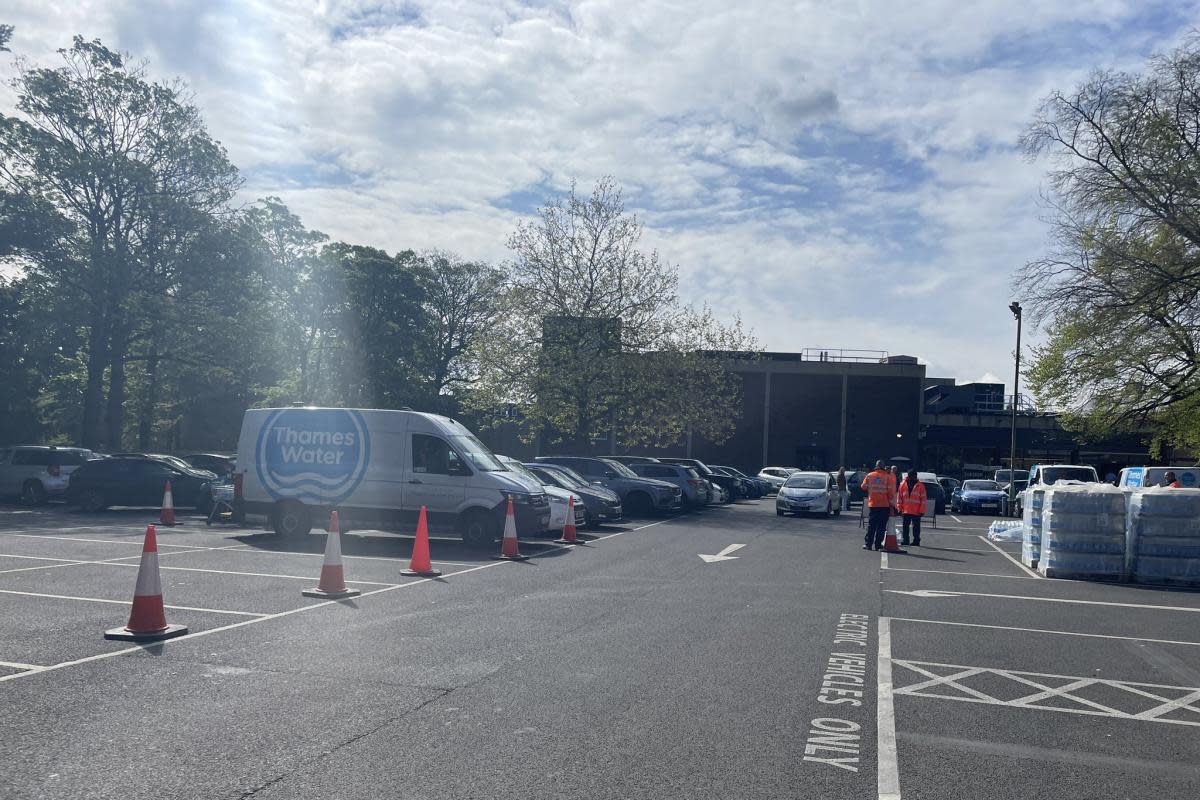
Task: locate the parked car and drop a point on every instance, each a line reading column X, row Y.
column 1005, row 476
column 933, row 491
column 378, row 467
column 694, row 488
column 978, row 497
column 639, row 496
column 629, row 461
column 761, row 487
column 174, row 461
column 137, row 481
column 807, row 492
column 744, row 488
column 560, row 498
column 729, row 483
column 776, row 476
column 600, row 504
column 949, row 485
column 718, row 494
column 215, row 463
column 38, row 473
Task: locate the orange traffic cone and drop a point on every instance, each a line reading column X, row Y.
column 167, row 517
column 147, row 618
column 508, row 545
column 420, row 565
column 568, row 533
column 889, row 541
column 332, row 585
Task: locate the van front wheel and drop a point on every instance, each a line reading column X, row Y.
column 478, row 528
column 292, row 518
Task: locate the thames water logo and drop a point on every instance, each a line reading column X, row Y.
column 314, row 455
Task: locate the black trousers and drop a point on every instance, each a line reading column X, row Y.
column 877, row 524
column 915, row 519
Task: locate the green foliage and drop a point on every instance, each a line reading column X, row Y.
column 6, row 32
column 1119, row 295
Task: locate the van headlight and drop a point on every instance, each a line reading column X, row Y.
column 520, row 498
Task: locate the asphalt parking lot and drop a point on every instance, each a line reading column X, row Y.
column 795, row 665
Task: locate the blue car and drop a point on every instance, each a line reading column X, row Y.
column 978, row 497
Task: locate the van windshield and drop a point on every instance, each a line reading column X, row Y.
column 1050, row 475
column 475, row 452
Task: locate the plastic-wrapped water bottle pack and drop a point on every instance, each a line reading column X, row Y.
column 1163, row 535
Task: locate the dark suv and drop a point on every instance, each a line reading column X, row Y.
column 731, row 485
column 638, row 495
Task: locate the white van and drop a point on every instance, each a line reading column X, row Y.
column 377, row 468
column 1139, row 477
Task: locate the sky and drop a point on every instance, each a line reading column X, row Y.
column 842, row 174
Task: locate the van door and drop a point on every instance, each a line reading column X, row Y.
column 437, row 479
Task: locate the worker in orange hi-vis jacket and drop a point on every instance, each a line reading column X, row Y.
column 881, row 499
column 911, row 499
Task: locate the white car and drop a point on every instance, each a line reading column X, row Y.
column 809, row 492
column 559, row 497
column 776, row 476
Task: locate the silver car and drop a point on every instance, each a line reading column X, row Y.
column 809, row 492
column 38, row 473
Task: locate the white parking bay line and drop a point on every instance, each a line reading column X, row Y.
column 885, row 719
column 1020, row 566
column 972, row 574
column 131, row 541
column 128, row 602
column 1039, row 630
column 302, row 609
column 248, row 574
column 17, row 665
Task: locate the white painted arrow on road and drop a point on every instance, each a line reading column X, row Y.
column 723, row 555
column 936, row 593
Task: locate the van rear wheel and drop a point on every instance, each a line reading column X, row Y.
column 291, row 518
column 478, row 528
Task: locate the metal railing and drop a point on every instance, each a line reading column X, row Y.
column 839, row 354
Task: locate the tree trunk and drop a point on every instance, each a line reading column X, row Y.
column 93, row 395
column 115, row 418
column 150, row 398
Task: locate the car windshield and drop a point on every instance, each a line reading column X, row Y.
column 519, row 468
column 981, row 486
column 807, row 482
column 1052, row 474
column 476, row 453
column 619, row 468
column 550, row 477
column 572, row 477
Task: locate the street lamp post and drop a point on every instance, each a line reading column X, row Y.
column 1015, row 308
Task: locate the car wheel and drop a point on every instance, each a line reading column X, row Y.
column 33, row 493
column 478, row 528
column 205, row 503
column 92, row 501
column 779, row 512
column 292, row 518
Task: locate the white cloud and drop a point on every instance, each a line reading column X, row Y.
column 841, row 174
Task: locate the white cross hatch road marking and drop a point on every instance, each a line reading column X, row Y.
column 1161, row 703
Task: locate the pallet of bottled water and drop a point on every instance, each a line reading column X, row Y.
column 1163, row 536
column 1031, row 527
column 1082, row 532
column 1006, row 530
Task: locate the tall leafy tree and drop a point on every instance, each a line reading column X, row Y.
column 463, row 300
column 125, row 161
column 1119, row 293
